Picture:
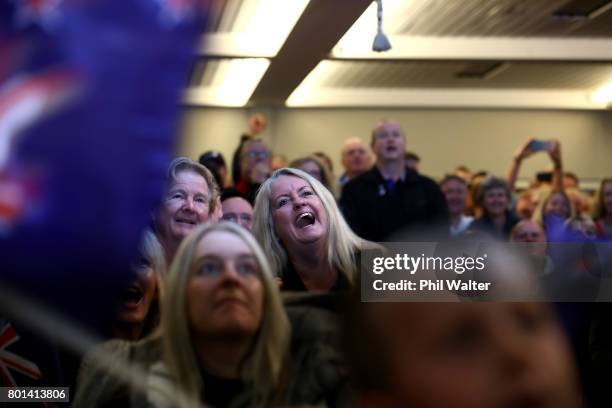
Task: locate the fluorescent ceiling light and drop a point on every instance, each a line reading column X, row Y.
column 233, row 83
column 445, row 97
column 603, row 96
column 259, row 29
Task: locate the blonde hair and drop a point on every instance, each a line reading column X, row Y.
column 152, row 251
column 261, row 368
column 538, row 214
column 342, row 242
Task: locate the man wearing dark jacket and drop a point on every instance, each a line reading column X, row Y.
column 390, row 197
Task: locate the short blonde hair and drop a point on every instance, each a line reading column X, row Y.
column 342, row 242
column 262, row 367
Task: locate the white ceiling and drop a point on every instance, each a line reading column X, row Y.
column 446, row 53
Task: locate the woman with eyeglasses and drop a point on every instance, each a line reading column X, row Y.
column 254, row 168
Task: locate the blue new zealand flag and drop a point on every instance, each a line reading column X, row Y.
column 89, row 102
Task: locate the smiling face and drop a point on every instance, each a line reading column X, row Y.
column 224, row 292
column 557, row 205
column 186, row 205
column 389, row 142
column 495, row 201
column 298, row 213
column 493, row 355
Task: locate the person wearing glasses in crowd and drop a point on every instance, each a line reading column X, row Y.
column 254, row 168
column 236, row 209
column 256, row 124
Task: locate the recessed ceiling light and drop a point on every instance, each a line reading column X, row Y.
column 233, row 83
column 603, row 96
column 255, row 29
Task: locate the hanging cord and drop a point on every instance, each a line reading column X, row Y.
column 381, row 42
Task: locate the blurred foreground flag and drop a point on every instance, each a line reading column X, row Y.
column 89, row 102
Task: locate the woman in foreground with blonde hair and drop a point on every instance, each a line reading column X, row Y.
column 300, row 227
column 225, row 333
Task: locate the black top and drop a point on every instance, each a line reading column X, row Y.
column 219, row 392
column 293, row 282
column 375, row 211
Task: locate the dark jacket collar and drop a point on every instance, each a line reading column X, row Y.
column 293, row 282
column 375, row 176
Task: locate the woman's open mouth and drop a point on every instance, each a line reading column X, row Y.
column 132, row 296
column 305, row 220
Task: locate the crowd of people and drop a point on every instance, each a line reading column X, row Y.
column 246, row 289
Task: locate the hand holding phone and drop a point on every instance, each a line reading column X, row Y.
column 539, row 145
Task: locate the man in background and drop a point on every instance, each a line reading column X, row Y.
column 390, row 196
column 356, row 159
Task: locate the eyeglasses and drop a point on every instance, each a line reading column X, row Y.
column 238, row 218
column 257, row 154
